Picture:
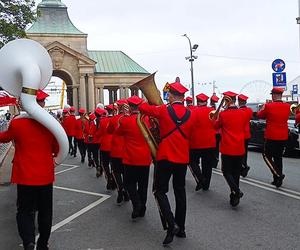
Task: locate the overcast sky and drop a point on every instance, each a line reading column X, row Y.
column 238, row 39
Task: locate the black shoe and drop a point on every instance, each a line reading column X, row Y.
column 199, row 186
column 30, row 246
column 273, row 182
column 135, row 213
column 42, row 248
column 244, row 171
column 205, row 188
column 82, row 160
column 90, row 162
column 278, row 181
column 235, row 199
column 181, row 234
column 126, row 196
column 170, row 235
column 120, row 198
column 142, row 211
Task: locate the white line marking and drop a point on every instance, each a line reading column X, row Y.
column 65, row 170
column 278, row 191
column 82, row 191
column 68, row 165
column 77, row 214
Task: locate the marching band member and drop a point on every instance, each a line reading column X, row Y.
column 189, row 103
column 99, row 171
column 202, row 144
column 232, row 122
column 136, row 159
column 213, row 102
column 276, row 114
column 176, row 124
column 105, row 147
column 242, row 100
column 69, row 124
column 80, row 123
column 33, row 172
column 89, row 139
column 117, row 151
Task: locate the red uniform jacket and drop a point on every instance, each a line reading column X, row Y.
column 117, row 142
column 204, row 133
column 89, row 132
column 35, row 147
column 136, row 149
column 174, row 148
column 191, row 107
column 276, row 115
column 69, row 124
column 97, row 135
column 79, row 128
column 249, row 114
column 106, row 138
column 232, row 122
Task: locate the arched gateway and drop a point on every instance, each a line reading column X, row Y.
column 86, row 73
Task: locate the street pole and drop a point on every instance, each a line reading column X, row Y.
column 191, row 58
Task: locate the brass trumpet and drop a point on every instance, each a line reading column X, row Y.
column 213, row 115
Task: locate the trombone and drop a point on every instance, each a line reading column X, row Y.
column 213, row 115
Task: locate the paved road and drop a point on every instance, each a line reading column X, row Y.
column 86, row 216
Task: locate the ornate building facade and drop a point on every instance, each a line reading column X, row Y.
column 86, row 73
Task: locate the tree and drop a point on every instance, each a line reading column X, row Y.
column 15, row 15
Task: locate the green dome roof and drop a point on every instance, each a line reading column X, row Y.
column 53, row 19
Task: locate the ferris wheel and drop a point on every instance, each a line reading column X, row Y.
column 257, row 90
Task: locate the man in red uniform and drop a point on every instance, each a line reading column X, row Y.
column 105, row 147
column 80, row 123
column 176, row 124
column 90, row 140
column 213, row 104
column 202, row 144
column 232, row 122
column 33, row 172
column 117, row 151
column 189, row 103
column 136, row 159
column 242, row 101
column 69, row 124
column 276, row 114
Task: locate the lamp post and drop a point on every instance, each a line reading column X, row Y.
column 191, row 58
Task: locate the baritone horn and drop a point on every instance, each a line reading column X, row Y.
column 213, row 115
column 148, row 87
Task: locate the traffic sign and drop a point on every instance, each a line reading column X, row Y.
column 278, row 65
column 279, row 79
column 295, row 89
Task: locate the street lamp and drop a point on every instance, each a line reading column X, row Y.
column 191, row 58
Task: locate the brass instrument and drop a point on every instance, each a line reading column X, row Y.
column 150, row 91
column 294, row 107
column 213, row 115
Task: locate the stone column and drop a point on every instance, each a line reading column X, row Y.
column 110, row 91
column 91, row 91
column 75, row 97
column 126, row 92
column 122, row 94
column 82, row 92
column 101, row 95
column 97, row 95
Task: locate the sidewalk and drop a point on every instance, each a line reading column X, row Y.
column 6, row 156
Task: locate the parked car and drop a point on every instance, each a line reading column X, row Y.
column 257, row 128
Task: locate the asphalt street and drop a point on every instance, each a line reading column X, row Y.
column 86, row 216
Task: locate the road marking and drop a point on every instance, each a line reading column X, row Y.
column 81, row 191
column 65, row 170
column 68, row 165
column 263, row 185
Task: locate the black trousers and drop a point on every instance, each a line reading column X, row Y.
column 105, row 163
column 207, row 157
column 245, row 158
column 231, row 168
column 75, row 142
column 118, row 172
column 136, row 180
column 163, row 172
column 32, row 199
column 273, row 152
column 217, row 150
column 71, row 148
column 81, row 147
column 93, row 153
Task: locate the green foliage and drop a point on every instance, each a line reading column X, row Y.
column 15, row 15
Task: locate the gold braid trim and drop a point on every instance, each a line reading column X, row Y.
column 29, row 91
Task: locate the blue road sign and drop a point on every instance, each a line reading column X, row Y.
column 279, row 79
column 278, row 65
column 166, row 95
column 295, row 89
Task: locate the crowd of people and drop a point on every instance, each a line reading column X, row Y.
column 111, row 140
